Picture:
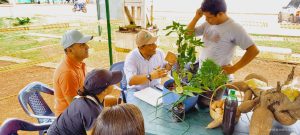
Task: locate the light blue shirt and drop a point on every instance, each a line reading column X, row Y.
column 136, row 64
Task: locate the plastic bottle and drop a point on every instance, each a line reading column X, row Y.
column 230, row 108
column 225, row 94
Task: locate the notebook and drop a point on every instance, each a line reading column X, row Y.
column 149, row 95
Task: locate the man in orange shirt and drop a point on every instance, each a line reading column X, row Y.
column 69, row 75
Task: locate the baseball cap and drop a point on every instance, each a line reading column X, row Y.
column 74, row 36
column 144, row 37
column 98, row 80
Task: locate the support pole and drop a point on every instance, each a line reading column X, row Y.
column 108, row 31
column 98, row 16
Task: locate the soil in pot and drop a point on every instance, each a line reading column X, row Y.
column 171, row 86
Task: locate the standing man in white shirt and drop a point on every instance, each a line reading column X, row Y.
column 221, row 35
column 145, row 65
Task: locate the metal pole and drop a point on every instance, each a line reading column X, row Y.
column 98, row 16
column 108, row 31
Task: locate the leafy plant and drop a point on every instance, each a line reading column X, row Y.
column 22, row 21
column 209, row 77
column 186, row 49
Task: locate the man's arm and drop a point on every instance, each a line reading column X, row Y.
column 138, row 79
column 192, row 24
column 251, row 53
column 69, row 99
column 142, row 79
column 69, row 86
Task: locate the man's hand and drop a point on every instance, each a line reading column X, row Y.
column 199, row 13
column 192, row 24
column 250, row 54
column 158, row 73
column 171, row 58
column 229, row 69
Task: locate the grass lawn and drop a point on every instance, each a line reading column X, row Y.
column 11, row 43
column 295, row 46
column 20, row 44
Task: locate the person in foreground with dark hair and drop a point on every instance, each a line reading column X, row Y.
column 86, row 107
column 122, row 119
column 221, row 35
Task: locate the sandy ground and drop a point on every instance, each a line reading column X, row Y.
column 12, row 82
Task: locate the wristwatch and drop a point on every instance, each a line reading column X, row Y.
column 148, row 76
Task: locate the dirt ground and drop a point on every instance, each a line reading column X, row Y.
column 13, row 81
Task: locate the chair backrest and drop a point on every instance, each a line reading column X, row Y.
column 11, row 126
column 119, row 66
column 30, row 96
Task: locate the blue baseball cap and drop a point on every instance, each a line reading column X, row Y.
column 98, row 80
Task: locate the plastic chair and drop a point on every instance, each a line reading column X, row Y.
column 30, row 96
column 11, row 126
column 119, row 66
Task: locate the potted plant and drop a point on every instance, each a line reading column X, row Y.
column 189, row 82
column 208, row 78
column 177, row 92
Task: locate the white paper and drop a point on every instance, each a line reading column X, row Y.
column 149, row 95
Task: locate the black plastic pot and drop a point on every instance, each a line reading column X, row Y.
column 204, row 99
column 178, row 113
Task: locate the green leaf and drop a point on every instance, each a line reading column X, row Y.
column 168, row 27
column 192, row 89
column 179, row 90
column 190, row 75
column 169, row 33
column 188, row 93
column 176, row 78
column 180, row 100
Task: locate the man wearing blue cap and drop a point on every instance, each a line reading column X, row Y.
column 70, row 74
column 84, row 110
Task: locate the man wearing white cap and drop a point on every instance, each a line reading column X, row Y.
column 69, row 75
column 145, row 65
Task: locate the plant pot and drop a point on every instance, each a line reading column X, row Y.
column 204, row 98
column 172, row 97
column 178, row 113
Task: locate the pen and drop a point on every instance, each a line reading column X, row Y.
column 158, row 88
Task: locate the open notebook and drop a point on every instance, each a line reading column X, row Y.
column 149, row 95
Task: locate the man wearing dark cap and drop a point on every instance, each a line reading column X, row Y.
column 70, row 74
column 85, row 108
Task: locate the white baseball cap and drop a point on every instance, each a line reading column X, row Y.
column 145, row 37
column 74, row 36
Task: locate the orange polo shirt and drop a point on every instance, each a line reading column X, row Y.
column 68, row 78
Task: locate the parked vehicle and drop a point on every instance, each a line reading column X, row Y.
column 80, row 5
column 290, row 13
